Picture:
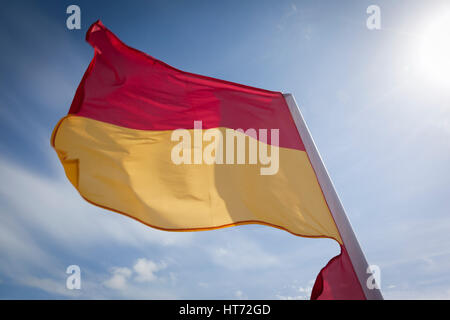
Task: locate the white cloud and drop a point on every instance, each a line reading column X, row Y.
column 143, row 270
column 49, row 285
column 146, row 269
column 296, row 292
column 132, row 282
column 119, row 278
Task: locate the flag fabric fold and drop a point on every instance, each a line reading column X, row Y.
column 337, row 280
column 151, row 142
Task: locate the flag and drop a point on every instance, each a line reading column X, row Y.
column 183, row 152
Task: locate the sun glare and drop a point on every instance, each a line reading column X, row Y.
column 434, row 54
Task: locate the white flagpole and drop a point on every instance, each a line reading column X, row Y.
column 337, row 210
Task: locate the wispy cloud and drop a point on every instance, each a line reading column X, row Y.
column 240, row 255
column 79, row 222
column 42, row 218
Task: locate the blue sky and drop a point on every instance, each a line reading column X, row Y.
column 380, row 118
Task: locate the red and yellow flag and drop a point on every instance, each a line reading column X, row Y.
column 184, row 152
